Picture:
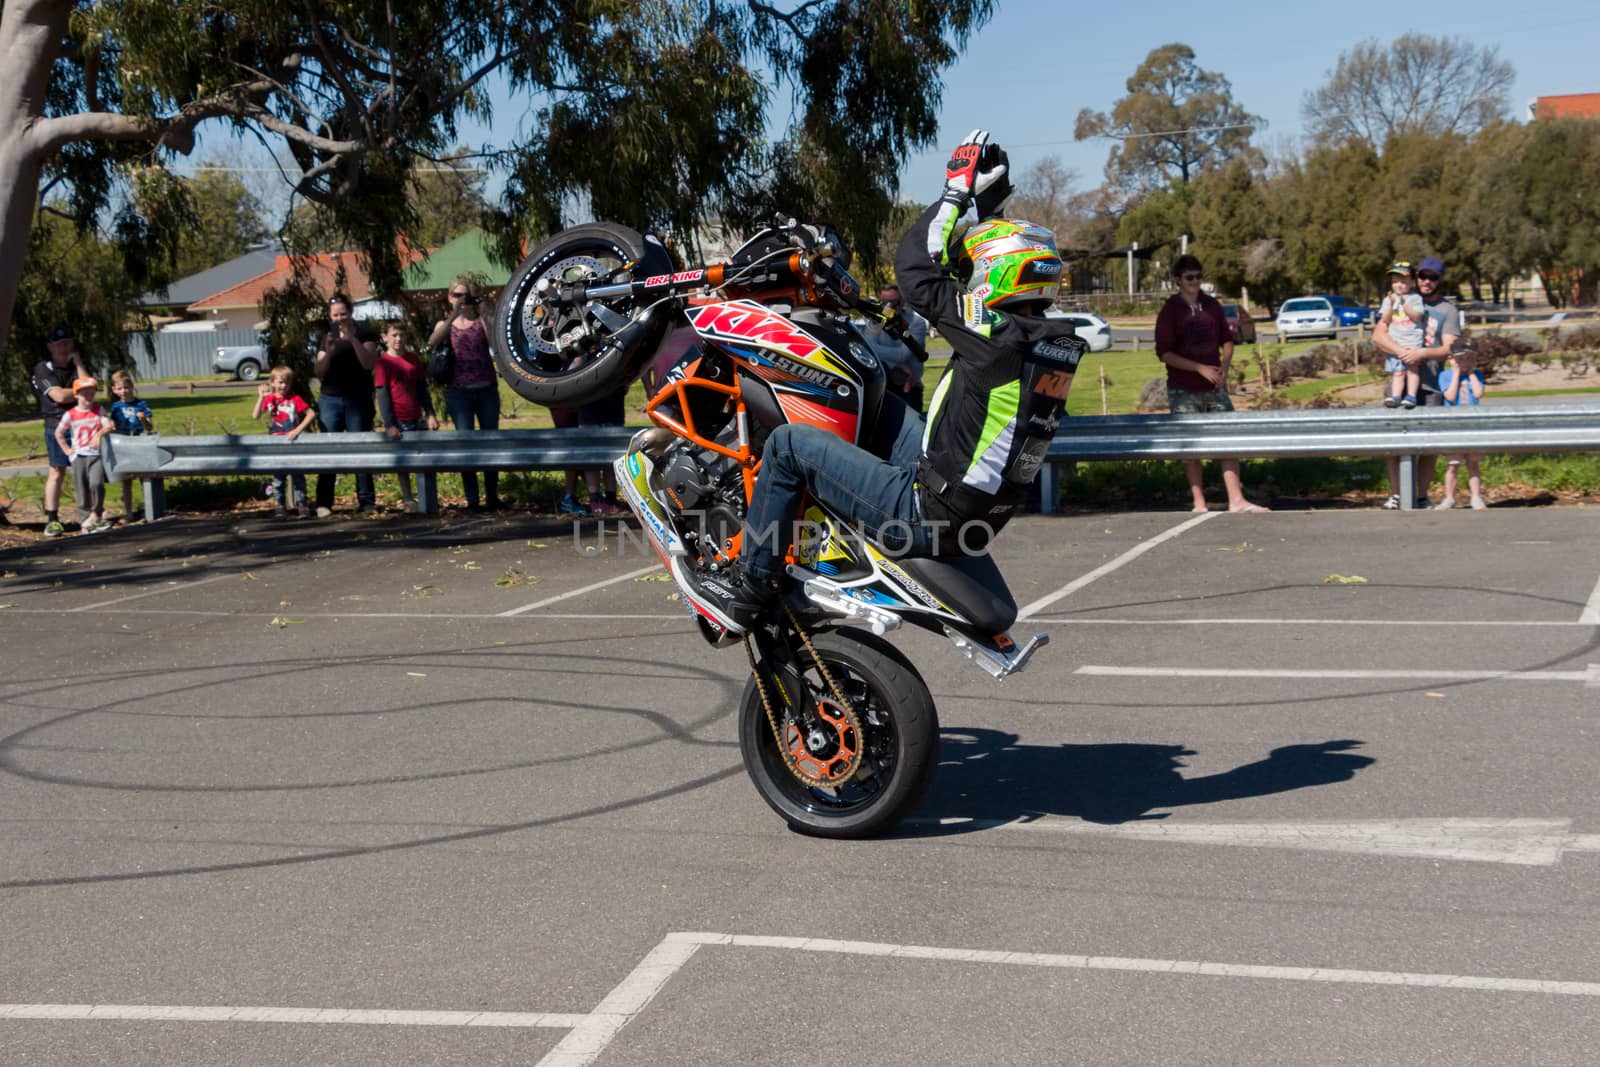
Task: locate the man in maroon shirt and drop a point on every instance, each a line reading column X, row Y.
column 1192, row 340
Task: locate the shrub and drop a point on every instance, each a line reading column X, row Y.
column 1153, row 397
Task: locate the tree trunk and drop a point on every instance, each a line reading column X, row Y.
column 30, row 36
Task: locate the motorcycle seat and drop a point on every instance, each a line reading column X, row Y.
column 973, row 585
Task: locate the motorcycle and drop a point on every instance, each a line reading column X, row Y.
column 837, row 729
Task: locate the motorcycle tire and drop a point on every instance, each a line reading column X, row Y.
column 901, row 740
column 532, row 343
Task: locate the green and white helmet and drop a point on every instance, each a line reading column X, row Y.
column 1013, row 262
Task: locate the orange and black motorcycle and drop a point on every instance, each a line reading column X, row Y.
column 837, row 729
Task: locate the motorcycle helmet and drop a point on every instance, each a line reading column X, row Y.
column 1011, row 262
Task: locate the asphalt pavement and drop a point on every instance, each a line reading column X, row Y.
column 1300, row 787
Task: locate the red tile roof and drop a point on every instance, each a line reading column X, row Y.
column 323, row 269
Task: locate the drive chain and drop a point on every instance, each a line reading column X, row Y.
column 850, row 717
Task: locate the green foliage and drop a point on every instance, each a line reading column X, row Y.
column 1176, row 122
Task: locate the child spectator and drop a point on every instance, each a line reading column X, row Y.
column 287, row 414
column 403, row 397
column 78, row 433
column 131, row 416
column 1461, row 383
column 1402, row 309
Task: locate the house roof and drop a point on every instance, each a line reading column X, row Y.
column 324, row 268
column 467, row 254
column 202, row 284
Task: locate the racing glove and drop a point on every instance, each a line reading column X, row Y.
column 976, row 168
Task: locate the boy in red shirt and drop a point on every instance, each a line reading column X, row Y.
column 404, row 402
column 78, row 433
column 288, row 415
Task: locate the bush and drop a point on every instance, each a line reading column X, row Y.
column 1153, row 397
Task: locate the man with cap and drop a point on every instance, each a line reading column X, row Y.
column 52, row 384
column 1441, row 332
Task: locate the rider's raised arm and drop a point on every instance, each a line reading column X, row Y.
column 930, row 289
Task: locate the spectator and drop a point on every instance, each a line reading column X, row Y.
column 1402, row 310
column 609, row 410
column 473, row 392
column 131, row 416
column 78, row 433
column 1461, row 385
column 567, row 419
column 52, row 384
column 288, row 415
column 900, row 363
column 1440, row 333
column 1192, row 339
column 404, row 400
column 344, row 366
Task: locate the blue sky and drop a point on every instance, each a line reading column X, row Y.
column 1025, row 76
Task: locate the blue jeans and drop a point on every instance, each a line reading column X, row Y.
column 877, row 498
column 483, row 406
column 343, row 414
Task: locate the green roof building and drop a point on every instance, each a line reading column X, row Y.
column 468, row 254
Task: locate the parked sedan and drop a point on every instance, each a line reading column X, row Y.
column 1307, row 316
column 1087, row 325
column 1350, row 312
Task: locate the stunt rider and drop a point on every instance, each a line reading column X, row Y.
column 992, row 414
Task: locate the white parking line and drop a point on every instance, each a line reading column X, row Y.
column 579, row 592
column 589, row 1034
column 226, row 1014
column 1106, row 568
column 170, row 587
column 1591, row 611
column 585, row 1043
column 1584, row 676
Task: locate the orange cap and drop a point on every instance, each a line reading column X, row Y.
column 84, row 383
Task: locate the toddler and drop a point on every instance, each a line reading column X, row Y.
column 287, row 414
column 129, row 415
column 78, row 433
column 1402, row 310
column 1462, row 386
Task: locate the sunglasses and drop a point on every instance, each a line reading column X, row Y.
column 1192, row 276
column 1428, row 276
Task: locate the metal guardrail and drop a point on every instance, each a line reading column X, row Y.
column 154, row 457
column 1238, row 435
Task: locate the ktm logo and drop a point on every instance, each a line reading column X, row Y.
column 1053, row 383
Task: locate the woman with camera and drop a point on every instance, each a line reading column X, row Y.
column 472, row 391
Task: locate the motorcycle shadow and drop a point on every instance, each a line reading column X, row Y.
column 985, row 778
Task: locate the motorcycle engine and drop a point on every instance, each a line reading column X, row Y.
column 706, row 495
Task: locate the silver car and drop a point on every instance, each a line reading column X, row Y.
column 244, row 362
column 1307, row 316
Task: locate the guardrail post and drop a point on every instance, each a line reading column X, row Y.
column 155, row 497
column 1049, row 489
column 1408, row 483
column 428, row 492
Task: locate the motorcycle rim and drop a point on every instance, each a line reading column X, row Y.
column 535, row 343
column 899, row 741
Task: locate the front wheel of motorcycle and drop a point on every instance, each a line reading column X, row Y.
column 900, row 738
column 564, row 355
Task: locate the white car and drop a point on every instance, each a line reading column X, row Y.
column 1087, row 325
column 1307, row 316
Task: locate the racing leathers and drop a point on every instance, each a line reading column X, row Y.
column 989, row 424
column 997, row 406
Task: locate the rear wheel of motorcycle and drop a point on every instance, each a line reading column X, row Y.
column 536, row 345
column 900, row 729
